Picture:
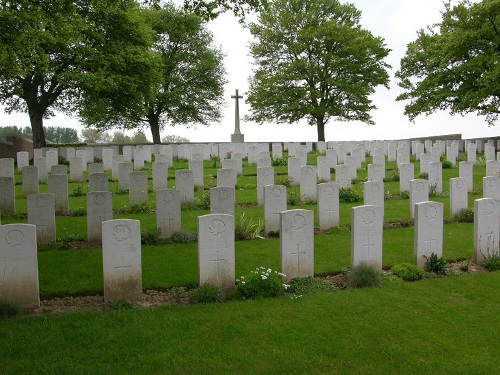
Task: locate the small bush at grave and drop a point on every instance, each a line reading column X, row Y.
column 78, row 212
column 247, row 228
column 121, row 192
column 279, row 161
column 150, row 237
column 446, row 164
column 207, row 293
column 184, row 236
column 364, row 275
column 309, row 284
column 423, row 176
column 284, row 180
column 436, row 264
column 464, row 216
column 359, row 180
column 14, row 215
column 263, row 282
column 433, row 191
column 204, row 200
column 407, row 272
column 395, row 175
column 492, row 260
column 345, row 228
column 478, row 189
column 293, row 198
column 188, row 206
column 120, row 304
column 9, row 308
column 480, row 162
column 405, row 194
column 214, row 161
column 249, row 186
column 139, row 208
column 77, row 190
column 349, row 196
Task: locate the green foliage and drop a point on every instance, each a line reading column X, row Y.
column 261, row 283
column 174, row 139
column 436, row 264
column 80, row 211
column 347, row 195
column 279, row 161
column 453, row 64
column 184, row 236
column 6, row 131
column 140, row 208
column 188, row 206
column 150, row 237
column 211, row 9
column 364, row 275
column 395, row 175
column 78, row 190
column 249, row 186
column 405, row 194
column 214, row 161
column 120, row 304
column 204, row 200
column 423, row 176
column 9, row 308
column 447, row 164
column 91, row 136
column 305, row 285
column 284, row 180
column 464, row 216
column 407, row 272
column 207, row 293
column 293, row 197
column 56, row 134
column 302, row 70
column 492, row 260
column 247, row 228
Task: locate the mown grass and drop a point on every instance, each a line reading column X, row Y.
column 438, row 326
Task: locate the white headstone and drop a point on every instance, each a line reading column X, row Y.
column 491, row 187
column 19, row 267
column 98, row 182
column 58, row 187
column 95, row 168
column 138, row 188
column 138, row 158
column 30, row 180
column 23, row 160
column 226, row 178
column 465, row 170
column 324, row 169
column 7, row 195
column 121, row 260
column 41, row 212
column 428, row 237
column 222, row 200
column 294, row 170
column 160, row 175
column 196, row 166
column 419, row 192
column 107, row 158
column 99, row 209
column 42, row 169
column 328, row 205
column 184, row 182
column 265, row 176
column 458, row 195
column 124, row 170
column 216, row 252
column 75, row 168
column 168, row 212
column 297, row 244
column 343, row 176
column 366, row 235
column 492, row 168
column 486, row 229
column 115, row 162
column 406, row 173
column 436, row 177
column 308, row 188
column 275, row 202
column 373, row 194
column 376, row 172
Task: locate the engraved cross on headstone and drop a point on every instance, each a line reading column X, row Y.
column 122, row 268
column 237, row 112
column 298, row 252
column 217, row 262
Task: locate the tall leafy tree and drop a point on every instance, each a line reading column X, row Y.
column 190, row 82
column 53, row 54
column 454, row 65
column 315, row 61
column 57, row 134
column 90, row 135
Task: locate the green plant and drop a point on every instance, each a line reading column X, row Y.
column 140, row 208
column 150, row 237
column 263, row 282
column 436, row 264
column 433, row 190
column 9, row 307
column 284, row 180
column 464, row 216
column 214, row 161
column 446, row 164
column 293, row 198
column 188, row 206
column 77, row 190
column 405, row 194
column 364, row 275
column 407, row 272
column 249, row 186
column 423, row 176
column 395, row 175
column 492, row 260
column 247, row 228
column 207, row 293
column 204, row 200
column 184, row 236
column 120, row 304
column 78, row 212
column 347, row 195
column 304, row 285
column 279, row 161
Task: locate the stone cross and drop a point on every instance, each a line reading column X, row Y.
column 237, row 112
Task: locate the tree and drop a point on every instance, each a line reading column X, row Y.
column 454, row 65
column 90, row 135
column 210, row 10
column 314, row 61
column 191, row 79
column 139, row 137
column 61, row 135
column 174, row 139
column 53, row 54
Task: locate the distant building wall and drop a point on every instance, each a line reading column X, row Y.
column 10, row 147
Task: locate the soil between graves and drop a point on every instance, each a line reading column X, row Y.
column 182, row 296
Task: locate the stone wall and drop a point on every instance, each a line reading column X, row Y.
column 10, row 147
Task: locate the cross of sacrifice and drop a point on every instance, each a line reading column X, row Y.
column 237, row 112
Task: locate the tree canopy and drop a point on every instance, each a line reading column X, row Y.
column 189, row 84
column 454, row 65
column 54, row 54
column 315, row 61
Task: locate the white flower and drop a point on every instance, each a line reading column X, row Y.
column 264, row 277
column 269, row 270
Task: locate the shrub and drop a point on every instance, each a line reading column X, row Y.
column 263, row 282
column 204, row 200
column 395, row 175
column 279, row 161
column 249, row 186
column 293, row 198
column 188, row 206
column 349, row 196
column 492, row 260
column 405, row 194
column 77, row 190
column 78, row 212
column 446, row 164
column 436, row 264
column 184, row 236
column 423, row 176
column 247, row 228
column 284, row 180
column 364, row 275
column 464, row 216
column 407, row 272
column 120, row 304
column 140, row 208
column 150, row 237
column 207, row 293
column 9, row 308
column 214, row 161
column 309, row 284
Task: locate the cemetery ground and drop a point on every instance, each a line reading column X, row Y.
column 444, row 325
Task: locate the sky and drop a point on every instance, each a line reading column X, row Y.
column 396, row 21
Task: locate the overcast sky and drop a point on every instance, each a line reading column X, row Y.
column 396, row 21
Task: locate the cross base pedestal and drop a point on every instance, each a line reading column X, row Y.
column 237, row 138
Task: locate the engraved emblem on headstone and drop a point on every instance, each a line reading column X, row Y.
column 217, row 227
column 99, row 199
column 222, row 194
column 41, row 202
column 276, row 192
column 430, row 212
column 420, row 186
column 298, row 222
column 168, row 197
column 368, row 217
column 14, row 238
column 489, row 208
column 121, row 233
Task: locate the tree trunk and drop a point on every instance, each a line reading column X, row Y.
column 36, row 120
column 320, row 124
column 155, row 130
